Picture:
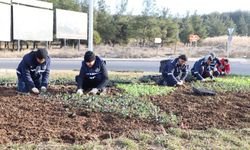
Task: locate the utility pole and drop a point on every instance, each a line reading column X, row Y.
column 229, row 40
column 91, row 14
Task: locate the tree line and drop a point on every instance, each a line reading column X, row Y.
column 123, row 27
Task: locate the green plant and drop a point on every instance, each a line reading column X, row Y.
column 6, row 80
column 97, row 38
column 124, row 105
column 62, row 81
column 145, row 89
column 228, row 84
column 126, row 143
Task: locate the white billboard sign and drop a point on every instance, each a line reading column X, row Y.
column 5, row 25
column 35, row 3
column 5, row 1
column 30, row 23
column 71, row 24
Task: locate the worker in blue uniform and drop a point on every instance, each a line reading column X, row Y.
column 175, row 71
column 202, row 68
column 33, row 72
column 93, row 76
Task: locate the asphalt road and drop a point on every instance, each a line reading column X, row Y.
column 242, row 68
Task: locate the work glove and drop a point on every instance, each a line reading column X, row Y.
column 213, row 78
column 43, row 89
column 35, row 90
column 180, row 83
column 203, row 80
column 94, row 91
column 79, row 92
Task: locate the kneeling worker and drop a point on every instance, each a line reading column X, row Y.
column 175, row 71
column 202, row 68
column 93, row 75
column 33, row 72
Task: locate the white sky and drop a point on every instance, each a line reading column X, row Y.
column 182, row 6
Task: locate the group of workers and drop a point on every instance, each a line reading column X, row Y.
column 34, row 70
column 176, row 70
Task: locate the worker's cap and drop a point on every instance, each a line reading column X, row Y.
column 89, row 56
column 41, row 53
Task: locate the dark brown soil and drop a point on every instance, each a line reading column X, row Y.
column 225, row 110
column 31, row 118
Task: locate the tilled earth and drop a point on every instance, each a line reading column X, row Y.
column 224, row 110
column 31, row 118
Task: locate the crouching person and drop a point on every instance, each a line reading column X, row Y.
column 214, row 65
column 202, row 68
column 33, row 72
column 175, row 71
column 93, row 77
column 224, row 68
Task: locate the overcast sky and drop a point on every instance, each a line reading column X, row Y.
column 182, row 6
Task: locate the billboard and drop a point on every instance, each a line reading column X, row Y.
column 5, row 26
column 34, row 3
column 71, row 25
column 29, row 23
column 5, row 1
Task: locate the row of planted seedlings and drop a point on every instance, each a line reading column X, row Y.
column 134, row 100
column 131, row 100
column 8, row 81
column 231, row 83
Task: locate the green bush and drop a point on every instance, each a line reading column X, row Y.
column 97, row 38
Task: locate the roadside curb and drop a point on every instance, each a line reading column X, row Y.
column 241, row 60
